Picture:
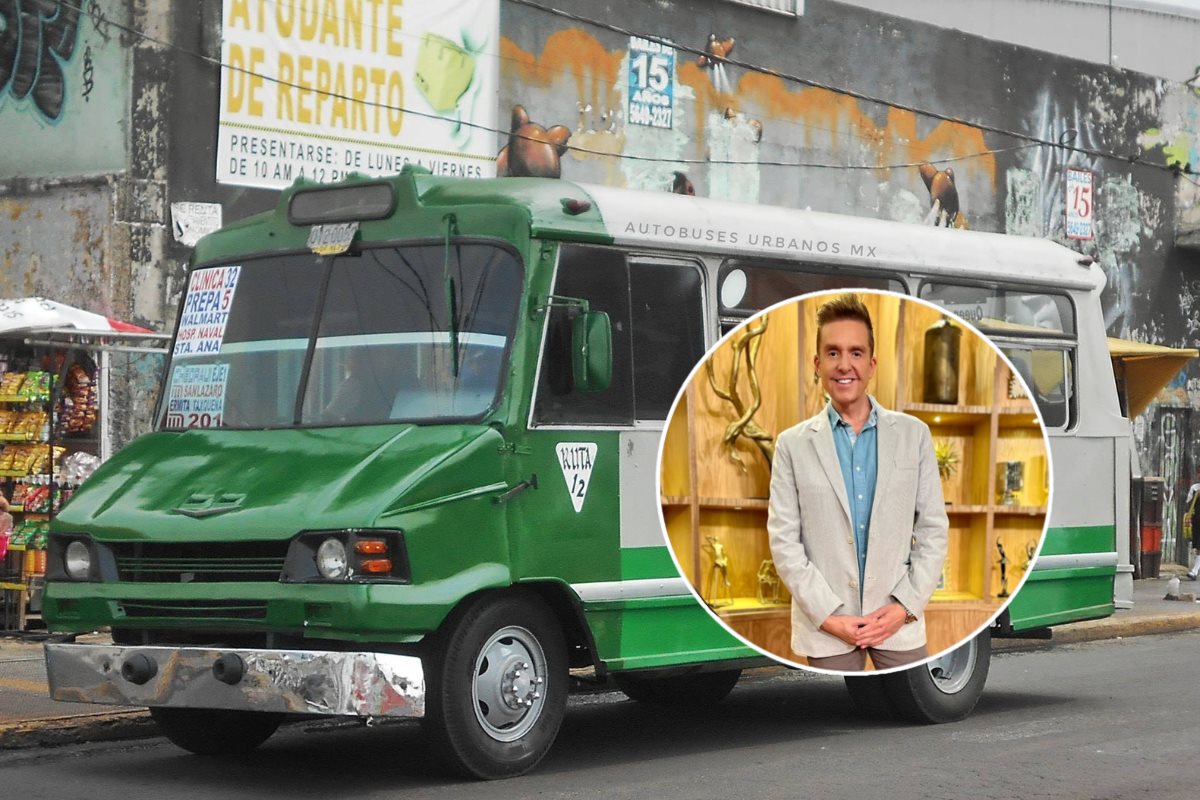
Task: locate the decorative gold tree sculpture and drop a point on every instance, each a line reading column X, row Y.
column 744, row 346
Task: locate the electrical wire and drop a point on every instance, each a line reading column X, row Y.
column 99, row 18
column 834, row 89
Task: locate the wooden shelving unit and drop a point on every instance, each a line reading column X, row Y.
column 707, row 495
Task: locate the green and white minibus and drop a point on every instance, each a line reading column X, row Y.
column 404, row 463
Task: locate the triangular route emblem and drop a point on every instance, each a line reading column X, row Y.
column 576, row 460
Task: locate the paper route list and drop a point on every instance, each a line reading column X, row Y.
column 206, row 311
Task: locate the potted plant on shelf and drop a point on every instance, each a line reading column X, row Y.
column 947, row 459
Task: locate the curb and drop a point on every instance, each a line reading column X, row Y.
column 136, row 723
column 1107, row 629
column 77, row 729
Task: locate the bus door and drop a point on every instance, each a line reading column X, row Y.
column 596, row 452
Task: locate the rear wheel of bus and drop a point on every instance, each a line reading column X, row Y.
column 496, row 686
column 943, row 690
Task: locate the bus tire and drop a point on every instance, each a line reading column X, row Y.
column 704, row 688
column 870, row 696
column 945, row 689
column 215, row 732
column 497, row 686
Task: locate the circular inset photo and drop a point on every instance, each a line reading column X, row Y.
column 855, row 481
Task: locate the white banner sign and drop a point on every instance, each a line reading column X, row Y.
column 190, row 221
column 322, row 88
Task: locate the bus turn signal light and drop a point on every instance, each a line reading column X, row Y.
column 371, row 547
column 375, row 566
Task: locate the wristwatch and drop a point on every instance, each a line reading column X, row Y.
column 909, row 617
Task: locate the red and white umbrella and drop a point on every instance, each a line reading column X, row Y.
column 32, row 314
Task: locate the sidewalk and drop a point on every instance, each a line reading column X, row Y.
column 29, row 718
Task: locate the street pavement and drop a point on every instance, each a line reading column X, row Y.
column 29, row 718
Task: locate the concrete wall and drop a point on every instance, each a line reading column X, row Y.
column 1157, row 38
column 83, row 168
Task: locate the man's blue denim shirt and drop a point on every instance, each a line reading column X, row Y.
column 859, row 458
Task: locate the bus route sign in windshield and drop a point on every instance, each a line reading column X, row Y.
column 206, row 311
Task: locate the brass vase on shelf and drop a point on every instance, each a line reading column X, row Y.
column 942, row 341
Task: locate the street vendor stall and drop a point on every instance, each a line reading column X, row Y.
column 1142, row 371
column 55, row 428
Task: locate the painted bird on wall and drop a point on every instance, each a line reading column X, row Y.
column 943, row 196
column 532, row 151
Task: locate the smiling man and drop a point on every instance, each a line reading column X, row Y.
column 857, row 522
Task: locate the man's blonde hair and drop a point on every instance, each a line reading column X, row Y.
column 845, row 306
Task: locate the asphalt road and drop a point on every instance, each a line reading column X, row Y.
column 1111, row 719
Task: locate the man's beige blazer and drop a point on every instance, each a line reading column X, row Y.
column 812, row 542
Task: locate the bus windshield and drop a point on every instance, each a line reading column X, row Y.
column 413, row 333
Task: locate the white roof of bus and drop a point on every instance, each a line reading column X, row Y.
column 662, row 219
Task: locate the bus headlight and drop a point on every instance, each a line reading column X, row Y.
column 331, row 559
column 77, row 560
column 358, row 555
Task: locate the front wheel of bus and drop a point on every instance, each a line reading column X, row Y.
column 215, row 732
column 497, row 687
column 945, row 689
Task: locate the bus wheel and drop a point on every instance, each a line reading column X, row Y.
column 211, row 732
column 870, row 697
column 704, row 688
column 497, row 686
column 945, row 689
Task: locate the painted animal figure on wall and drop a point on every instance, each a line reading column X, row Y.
column 532, row 151
column 943, row 196
column 683, row 185
column 716, row 50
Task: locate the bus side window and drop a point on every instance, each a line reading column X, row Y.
column 656, row 309
column 1049, row 374
column 668, row 333
column 600, row 276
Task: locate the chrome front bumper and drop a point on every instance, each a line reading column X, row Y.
column 290, row 681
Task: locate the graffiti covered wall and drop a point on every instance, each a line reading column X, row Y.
column 82, row 172
column 771, row 109
column 64, row 87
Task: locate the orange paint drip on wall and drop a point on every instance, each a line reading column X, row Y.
column 596, row 72
column 573, row 52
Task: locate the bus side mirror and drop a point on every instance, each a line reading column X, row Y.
column 591, row 351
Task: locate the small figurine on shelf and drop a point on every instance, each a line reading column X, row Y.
column 1030, row 549
column 768, row 583
column 1003, row 569
column 719, row 571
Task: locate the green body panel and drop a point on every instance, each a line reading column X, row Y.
column 1081, row 539
column 660, row 632
column 391, row 613
column 1054, row 596
column 438, row 484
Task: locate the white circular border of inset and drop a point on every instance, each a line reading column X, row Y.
column 834, row 293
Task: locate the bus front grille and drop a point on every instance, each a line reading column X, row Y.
column 204, row 562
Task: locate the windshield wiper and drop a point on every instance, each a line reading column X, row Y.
column 451, row 306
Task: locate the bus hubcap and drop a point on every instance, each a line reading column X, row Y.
column 509, row 686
